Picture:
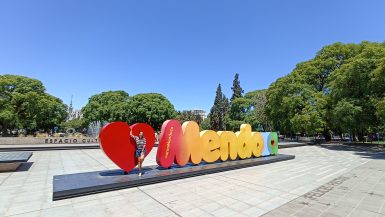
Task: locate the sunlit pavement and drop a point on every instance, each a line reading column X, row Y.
column 358, row 192
column 321, row 178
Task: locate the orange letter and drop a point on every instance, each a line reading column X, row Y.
column 191, row 150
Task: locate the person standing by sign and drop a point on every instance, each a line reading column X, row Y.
column 140, row 149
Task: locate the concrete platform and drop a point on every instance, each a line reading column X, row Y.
column 74, row 185
column 251, row 191
column 47, row 147
column 10, row 161
column 283, row 145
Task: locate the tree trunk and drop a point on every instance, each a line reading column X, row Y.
column 327, row 135
column 4, row 132
column 361, row 137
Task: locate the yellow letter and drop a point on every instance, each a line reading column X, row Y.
column 229, row 145
column 210, row 142
column 257, row 143
column 244, row 146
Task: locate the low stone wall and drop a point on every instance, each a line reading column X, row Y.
column 48, row 140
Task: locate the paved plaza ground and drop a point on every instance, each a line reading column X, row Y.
column 327, row 180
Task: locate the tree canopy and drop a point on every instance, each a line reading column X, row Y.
column 258, row 100
column 340, row 90
column 24, row 104
column 237, row 89
column 183, row 116
column 150, row 108
column 107, row 106
column 219, row 110
column 249, row 109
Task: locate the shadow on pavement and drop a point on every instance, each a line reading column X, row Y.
column 24, row 167
column 372, row 152
column 121, row 172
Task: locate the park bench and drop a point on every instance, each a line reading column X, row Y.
column 10, row 161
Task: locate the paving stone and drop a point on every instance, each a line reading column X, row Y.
column 251, row 191
column 354, row 193
column 361, row 213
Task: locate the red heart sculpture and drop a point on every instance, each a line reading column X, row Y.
column 117, row 144
column 272, row 142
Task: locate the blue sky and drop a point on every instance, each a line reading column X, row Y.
column 181, row 49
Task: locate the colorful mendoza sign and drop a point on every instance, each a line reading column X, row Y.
column 183, row 144
column 181, row 147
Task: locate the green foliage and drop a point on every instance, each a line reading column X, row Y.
column 258, row 115
column 24, row 104
column 241, row 112
column 184, row 116
column 150, row 108
column 50, row 112
column 308, row 120
column 233, row 125
column 249, row 109
column 79, row 124
column 237, row 89
column 344, row 115
column 107, row 106
column 219, row 110
column 205, row 124
column 380, row 113
column 287, row 98
column 339, row 90
column 239, row 108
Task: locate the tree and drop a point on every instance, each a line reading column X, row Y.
column 50, row 112
column 237, row 89
column 344, row 116
column 24, row 104
column 219, row 110
column 381, row 113
column 183, row 116
column 285, row 98
column 240, row 109
column 8, row 118
column 354, row 85
column 107, row 106
column 79, row 124
column 205, row 124
column 258, row 101
column 150, row 108
column 339, row 90
column 378, row 78
column 309, row 119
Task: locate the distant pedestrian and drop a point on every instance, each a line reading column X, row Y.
column 156, row 137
